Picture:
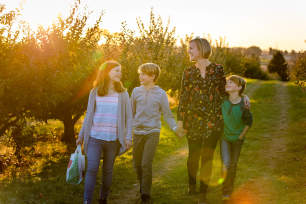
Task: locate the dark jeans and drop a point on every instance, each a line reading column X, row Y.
column 109, row 151
column 204, row 150
column 230, row 152
column 143, row 154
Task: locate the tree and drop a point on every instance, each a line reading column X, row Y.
column 299, row 69
column 65, row 63
column 253, row 69
column 13, row 80
column 47, row 74
column 231, row 59
column 155, row 43
column 253, row 51
column 279, row 65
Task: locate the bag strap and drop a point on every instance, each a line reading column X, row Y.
column 78, row 149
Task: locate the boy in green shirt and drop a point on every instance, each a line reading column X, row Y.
column 237, row 121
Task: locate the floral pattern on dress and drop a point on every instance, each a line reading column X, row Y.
column 200, row 101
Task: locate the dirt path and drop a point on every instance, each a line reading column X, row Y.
column 274, row 143
column 278, row 142
column 131, row 195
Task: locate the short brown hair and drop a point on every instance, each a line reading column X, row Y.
column 150, row 69
column 102, row 80
column 203, row 46
column 239, row 81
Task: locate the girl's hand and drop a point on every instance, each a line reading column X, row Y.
column 79, row 141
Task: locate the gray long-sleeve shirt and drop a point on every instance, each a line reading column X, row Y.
column 147, row 106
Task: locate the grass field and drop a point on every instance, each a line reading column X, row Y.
column 271, row 169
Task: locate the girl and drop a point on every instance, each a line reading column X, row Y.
column 107, row 128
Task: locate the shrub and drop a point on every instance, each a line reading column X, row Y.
column 253, row 69
column 279, row 65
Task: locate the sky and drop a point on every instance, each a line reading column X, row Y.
column 280, row 24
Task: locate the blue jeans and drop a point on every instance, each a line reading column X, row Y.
column 230, row 152
column 109, row 151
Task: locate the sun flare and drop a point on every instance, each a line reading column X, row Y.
column 41, row 13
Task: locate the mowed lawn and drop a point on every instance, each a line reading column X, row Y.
column 271, row 169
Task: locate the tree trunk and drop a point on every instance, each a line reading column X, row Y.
column 68, row 136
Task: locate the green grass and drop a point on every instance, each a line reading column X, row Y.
column 295, row 168
column 256, row 182
column 261, row 178
column 44, row 181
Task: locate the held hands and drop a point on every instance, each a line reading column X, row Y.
column 128, row 144
column 180, row 131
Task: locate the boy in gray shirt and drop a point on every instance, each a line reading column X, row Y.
column 148, row 102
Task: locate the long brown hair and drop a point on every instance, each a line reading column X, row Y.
column 102, row 81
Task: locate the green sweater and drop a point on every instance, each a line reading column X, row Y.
column 236, row 117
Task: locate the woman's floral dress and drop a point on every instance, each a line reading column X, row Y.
column 200, row 101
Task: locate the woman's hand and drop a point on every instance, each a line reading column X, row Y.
column 247, row 103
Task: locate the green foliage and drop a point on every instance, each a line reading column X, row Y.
column 244, row 62
column 64, row 61
column 231, row 59
column 279, row 65
column 253, row 51
column 12, row 72
column 155, row 43
column 299, row 69
column 253, row 70
column 46, row 74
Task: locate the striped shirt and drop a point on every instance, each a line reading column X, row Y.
column 104, row 125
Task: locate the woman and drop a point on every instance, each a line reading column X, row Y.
column 107, row 128
column 199, row 112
